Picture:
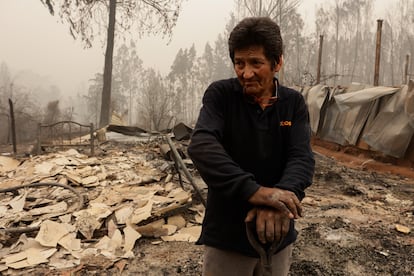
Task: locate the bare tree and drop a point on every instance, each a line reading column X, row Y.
column 278, row 10
column 53, row 113
column 155, row 101
column 284, row 12
column 85, row 18
column 398, row 27
column 93, row 98
column 127, row 76
column 346, row 26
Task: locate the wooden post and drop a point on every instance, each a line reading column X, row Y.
column 13, row 127
column 39, row 133
column 378, row 52
column 92, row 140
column 318, row 73
column 407, row 61
column 181, row 165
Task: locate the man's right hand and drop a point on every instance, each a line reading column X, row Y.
column 283, row 200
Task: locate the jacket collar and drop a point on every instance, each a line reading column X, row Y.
column 263, row 101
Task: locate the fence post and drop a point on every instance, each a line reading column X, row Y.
column 13, row 127
column 38, row 138
column 92, row 141
column 378, row 52
column 407, row 61
column 318, row 73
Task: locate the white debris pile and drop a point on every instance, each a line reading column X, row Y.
column 112, row 201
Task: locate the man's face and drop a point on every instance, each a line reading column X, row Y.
column 255, row 71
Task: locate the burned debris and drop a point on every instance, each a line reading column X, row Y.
column 64, row 207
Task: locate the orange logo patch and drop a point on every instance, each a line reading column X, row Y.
column 285, row 123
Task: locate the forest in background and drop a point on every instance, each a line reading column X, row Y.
column 146, row 98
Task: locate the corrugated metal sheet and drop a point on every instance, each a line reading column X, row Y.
column 383, row 117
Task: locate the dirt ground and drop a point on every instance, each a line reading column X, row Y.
column 357, row 215
column 349, row 228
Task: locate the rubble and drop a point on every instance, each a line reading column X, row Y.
column 138, row 218
column 402, row 229
column 128, row 192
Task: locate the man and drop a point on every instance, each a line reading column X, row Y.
column 251, row 146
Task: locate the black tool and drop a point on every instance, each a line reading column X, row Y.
column 266, row 251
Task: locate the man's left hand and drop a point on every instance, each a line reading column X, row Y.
column 271, row 224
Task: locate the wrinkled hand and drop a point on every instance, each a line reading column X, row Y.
column 282, row 200
column 271, row 224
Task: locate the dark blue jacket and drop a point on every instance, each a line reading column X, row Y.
column 236, row 147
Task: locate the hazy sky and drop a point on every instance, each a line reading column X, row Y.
column 32, row 39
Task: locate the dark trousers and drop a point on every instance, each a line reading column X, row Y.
column 219, row 262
